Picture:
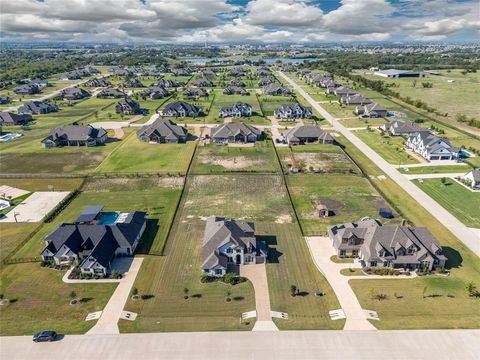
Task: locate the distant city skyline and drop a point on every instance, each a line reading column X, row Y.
column 268, row 21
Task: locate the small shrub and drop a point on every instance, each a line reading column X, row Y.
column 293, row 290
column 134, row 291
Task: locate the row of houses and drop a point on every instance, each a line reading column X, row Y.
column 422, row 141
column 364, row 107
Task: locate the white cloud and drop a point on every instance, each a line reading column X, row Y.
column 219, row 20
column 282, row 13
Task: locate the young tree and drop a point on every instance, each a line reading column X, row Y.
column 185, row 292
column 293, row 290
column 134, row 291
column 73, row 294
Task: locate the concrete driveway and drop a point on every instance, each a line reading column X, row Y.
column 456, row 227
column 35, row 207
column 257, row 274
column 108, row 322
column 321, row 251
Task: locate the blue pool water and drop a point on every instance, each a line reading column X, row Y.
column 6, row 137
column 392, row 114
column 107, row 218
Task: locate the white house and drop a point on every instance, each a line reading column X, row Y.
column 473, row 178
column 432, row 147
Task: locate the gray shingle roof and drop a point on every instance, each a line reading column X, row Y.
column 162, row 128
column 232, row 129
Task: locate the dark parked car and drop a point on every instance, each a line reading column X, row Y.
column 45, row 336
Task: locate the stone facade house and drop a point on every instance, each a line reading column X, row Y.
column 128, row 107
column 372, row 110
column 276, row 89
column 236, row 110
column 180, row 109
column 398, row 247
column 307, row 134
column 74, row 93
column 111, row 93
column 232, row 90
column 292, row 111
column 12, row 119
column 75, row 135
column 37, row 107
column 163, row 132
column 235, row 133
column 229, row 244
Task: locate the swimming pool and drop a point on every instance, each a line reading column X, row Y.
column 108, row 218
column 393, row 114
column 8, row 137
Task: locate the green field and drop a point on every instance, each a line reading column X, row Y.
column 40, row 300
column 316, row 158
column 388, row 147
column 157, row 196
column 348, row 197
column 455, row 198
column 220, row 159
column 134, row 155
column 459, row 96
column 440, row 169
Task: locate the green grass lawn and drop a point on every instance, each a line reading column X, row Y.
column 460, row 96
column 413, row 311
column 455, row 198
column 388, row 147
column 157, row 196
column 134, row 155
column 40, row 300
column 356, row 122
column 266, row 203
column 440, row 169
column 349, row 197
column 221, row 159
column 12, row 235
column 318, row 158
column 290, row 263
column 270, row 103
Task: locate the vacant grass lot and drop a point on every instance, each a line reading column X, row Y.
column 459, row 96
column 11, row 235
column 157, row 196
column 220, row 159
column 413, row 311
column 459, row 201
column 388, row 147
column 40, row 300
column 319, row 158
column 348, row 197
column 139, row 156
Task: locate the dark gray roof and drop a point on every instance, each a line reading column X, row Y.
column 133, row 83
column 303, row 132
column 111, row 92
column 95, row 82
column 76, row 133
column 167, row 83
column 37, row 107
column 97, row 241
column 220, row 231
column 181, row 105
column 8, row 118
column 275, row 88
column 163, row 128
column 89, row 213
column 74, row 92
column 232, row 129
column 476, row 175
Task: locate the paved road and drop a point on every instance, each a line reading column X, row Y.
column 463, row 233
column 321, row 251
column 288, row 345
column 108, row 322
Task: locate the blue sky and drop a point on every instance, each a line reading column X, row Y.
column 299, row 21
